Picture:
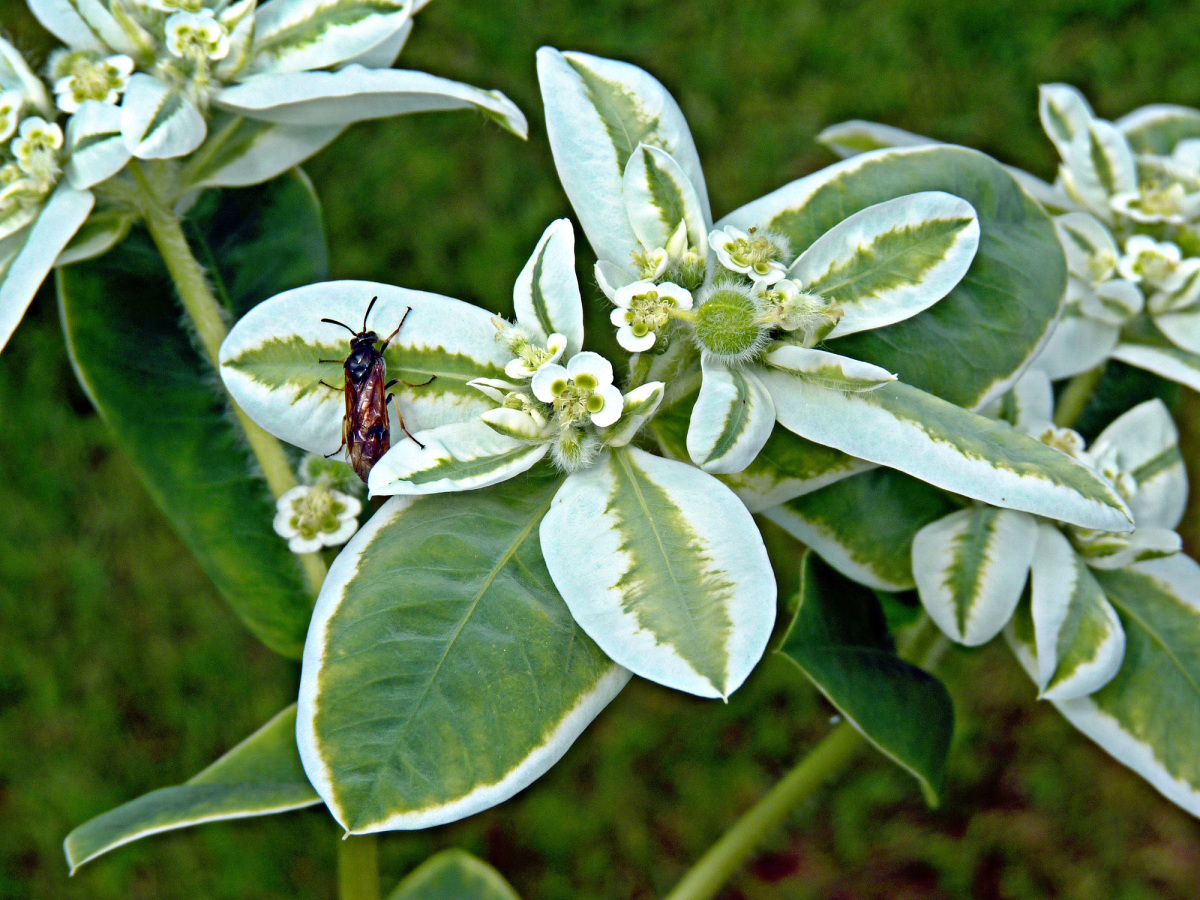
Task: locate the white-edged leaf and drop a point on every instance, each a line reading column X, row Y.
column 1160, row 357
column 1159, row 127
column 354, row 93
column 295, row 35
column 658, row 196
column 83, row 25
column 889, row 261
column 665, row 570
column 640, row 406
column 828, row 370
column 1145, row 442
column 158, row 122
column 1031, row 399
column 923, row 435
column 970, row 569
column 1099, row 165
column 459, row 457
column 1182, row 328
column 857, row 136
column 864, row 525
column 1085, row 239
column 100, row 233
column 260, row 776
column 546, row 293
column 1080, row 642
column 1148, row 715
column 384, row 54
column 597, row 113
column 249, row 151
column 15, row 75
column 453, row 875
column 56, row 224
column 442, row 672
column 732, row 419
column 1064, row 112
column 269, row 361
column 1076, row 344
column 96, row 144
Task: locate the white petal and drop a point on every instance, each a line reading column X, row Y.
column 630, row 341
column 613, row 404
column 592, row 364
column 544, row 379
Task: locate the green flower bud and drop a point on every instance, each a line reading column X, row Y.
column 728, row 325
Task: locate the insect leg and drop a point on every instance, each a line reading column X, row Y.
column 400, row 419
column 339, row 448
column 394, row 333
column 333, row 386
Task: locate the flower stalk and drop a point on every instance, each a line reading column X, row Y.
column 358, row 867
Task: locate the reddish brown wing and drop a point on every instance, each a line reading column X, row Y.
column 368, row 433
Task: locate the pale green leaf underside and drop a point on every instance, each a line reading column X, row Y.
column 443, row 672
column 260, row 776
column 453, row 875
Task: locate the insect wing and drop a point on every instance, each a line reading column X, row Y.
column 368, row 431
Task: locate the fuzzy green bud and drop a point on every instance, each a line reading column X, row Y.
column 728, row 325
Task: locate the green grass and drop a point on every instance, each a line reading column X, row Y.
column 122, row 671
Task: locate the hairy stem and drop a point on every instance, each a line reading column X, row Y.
column 924, row 644
column 1075, row 396
column 206, row 316
column 358, row 868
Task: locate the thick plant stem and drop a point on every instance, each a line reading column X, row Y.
column 827, row 760
column 358, row 868
column 1075, row 396
column 205, row 314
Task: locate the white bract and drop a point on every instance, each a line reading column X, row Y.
column 277, row 81
column 972, row 566
column 310, row 517
column 657, row 561
column 736, row 298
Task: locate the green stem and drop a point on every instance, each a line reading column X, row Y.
column 924, row 643
column 825, row 761
column 358, row 868
column 1075, row 396
column 205, row 313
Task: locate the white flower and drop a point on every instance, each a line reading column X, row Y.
column 757, row 254
column 1154, row 204
column 644, row 309
column 103, row 80
column 1155, row 263
column 582, row 390
column 529, row 355
column 36, row 150
column 196, row 36
column 10, row 112
column 794, row 309
column 311, row 517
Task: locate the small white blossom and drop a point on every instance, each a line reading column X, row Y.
column 757, row 254
column 171, row 6
column 644, row 309
column 36, row 150
column 310, row 517
column 1166, row 204
column 1154, row 263
column 103, row 80
column 582, row 390
column 197, row 36
column 10, row 113
column 528, row 353
column 792, row 308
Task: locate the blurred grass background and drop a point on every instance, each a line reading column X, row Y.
column 122, row 671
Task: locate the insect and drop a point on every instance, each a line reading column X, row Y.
column 366, row 432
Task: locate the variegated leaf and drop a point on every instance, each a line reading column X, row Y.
column 1159, row 127
column 1144, row 346
column 864, row 525
column 828, row 370
column 664, row 569
column 15, row 75
column 1080, row 642
column 96, row 144
column 1182, row 328
column 1076, row 344
column 1065, row 113
column 546, row 293
column 384, row 54
column 658, row 196
column 398, row 726
column 459, row 457
column 918, row 433
column 99, row 233
column 295, row 35
column 1015, row 283
column 354, row 94
column 1031, row 400
column 970, row 569
column 787, row 466
column 1148, row 715
column 453, row 875
column 56, row 224
column 1086, row 243
column 83, row 25
column 271, row 361
column 158, row 122
column 1098, row 165
column 889, row 261
column 640, row 406
column 856, row 136
column 260, row 776
column 241, row 152
column 732, row 419
column 1145, row 442
column 597, row 113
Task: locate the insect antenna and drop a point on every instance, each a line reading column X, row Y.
column 367, row 315
column 343, row 324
